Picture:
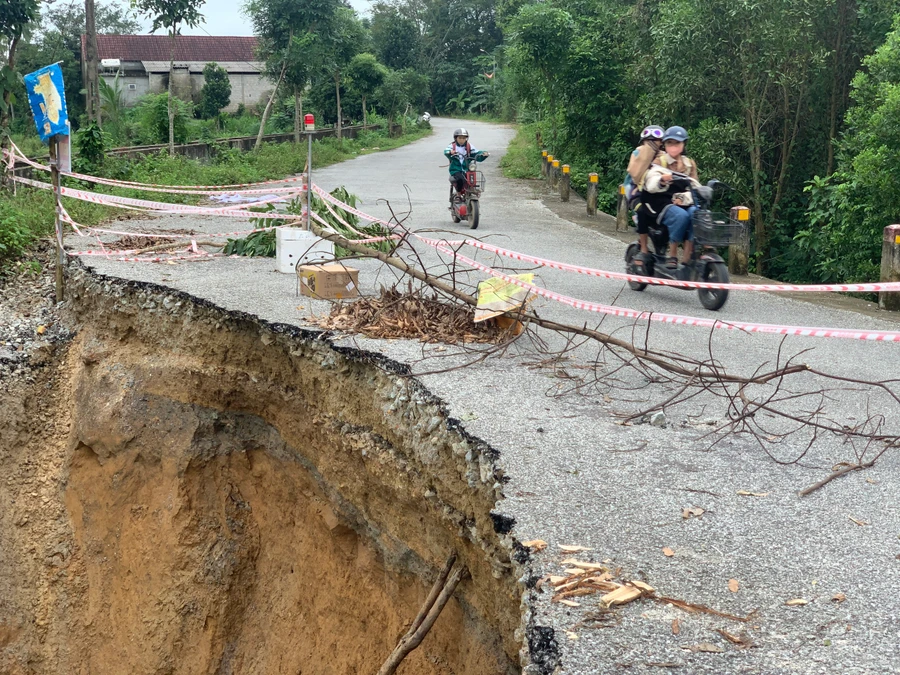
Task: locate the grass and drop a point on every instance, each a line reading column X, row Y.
column 29, row 214
column 523, row 157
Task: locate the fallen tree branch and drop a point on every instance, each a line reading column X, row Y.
column 437, row 599
column 837, row 474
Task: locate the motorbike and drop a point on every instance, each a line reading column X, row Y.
column 464, row 205
column 711, row 231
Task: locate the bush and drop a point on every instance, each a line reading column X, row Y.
column 152, row 115
column 15, row 236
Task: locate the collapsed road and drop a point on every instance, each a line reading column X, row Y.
column 203, row 472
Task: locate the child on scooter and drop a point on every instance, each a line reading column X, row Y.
column 458, row 152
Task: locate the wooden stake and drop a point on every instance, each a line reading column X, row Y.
column 60, row 251
column 437, row 599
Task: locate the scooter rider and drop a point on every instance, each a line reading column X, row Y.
column 638, row 164
column 668, row 200
column 459, row 151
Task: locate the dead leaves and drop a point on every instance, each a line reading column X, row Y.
column 741, row 641
column 676, row 626
column 395, row 314
column 838, row 597
column 668, row 552
column 733, row 585
column 692, row 512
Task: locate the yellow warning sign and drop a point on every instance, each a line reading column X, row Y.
column 498, row 296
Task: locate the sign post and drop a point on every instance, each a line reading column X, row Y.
column 309, row 123
column 47, row 97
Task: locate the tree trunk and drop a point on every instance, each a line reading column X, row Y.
column 365, row 114
column 756, row 166
column 265, row 116
column 171, row 102
column 7, row 108
column 337, row 91
column 297, row 109
column 91, row 73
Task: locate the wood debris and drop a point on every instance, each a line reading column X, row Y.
column 747, row 493
column 411, row 314
column 693, row 511
column 858, row 522
column 572, row 549
column 838, row 597
column 535, row 544
column 797, row 602
column 694, row 607
column 668, row 552
column 742, row 641
column 706, row 647
column 624, row 594
column 733, row 585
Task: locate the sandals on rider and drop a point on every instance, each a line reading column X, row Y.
column 672, row 262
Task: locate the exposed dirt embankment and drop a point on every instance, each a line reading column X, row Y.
column 193, row 491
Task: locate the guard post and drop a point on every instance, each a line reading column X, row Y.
column 47, row 98
column 593, row 181
column 544, row 163
column 554, row 174
column 621, row 211
column 890, row 267
column 309, row 126
column 739, row 253
column 549, row 175
column 564, row 183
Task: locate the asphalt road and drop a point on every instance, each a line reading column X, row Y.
column 579, row 476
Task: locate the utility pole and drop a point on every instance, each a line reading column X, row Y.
column 91, row 71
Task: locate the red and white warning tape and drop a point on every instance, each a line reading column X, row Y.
column 878, row 336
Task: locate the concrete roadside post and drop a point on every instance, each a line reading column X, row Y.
column 549, row 174
column 890, row 267
column 564, row 183
column 621, row 211
column 592, row 194
column 544, row 163
column 739, row 253
column 309, row 123
column 554, row 174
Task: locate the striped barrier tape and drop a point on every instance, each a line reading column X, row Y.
column 675, row 319
column 807, row 288
column 349, row 209
column 237, row 210
column 198, row 189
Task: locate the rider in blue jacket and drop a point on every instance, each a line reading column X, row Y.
column 459, row 152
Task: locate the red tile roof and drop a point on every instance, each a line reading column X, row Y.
column 187, row 48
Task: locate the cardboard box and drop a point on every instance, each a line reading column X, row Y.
column 328, row 282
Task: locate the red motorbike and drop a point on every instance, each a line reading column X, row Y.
column 464, row 204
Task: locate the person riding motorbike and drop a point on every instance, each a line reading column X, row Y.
column 668, row 200
column 638, row 164
column 459, row 152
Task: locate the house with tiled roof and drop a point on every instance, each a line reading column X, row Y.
column 142, row 65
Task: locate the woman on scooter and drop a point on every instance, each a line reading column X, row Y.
column 670, row 200
column 458, row 152
column 638, row 164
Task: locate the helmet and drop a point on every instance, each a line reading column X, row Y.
column 675, row 134
column 460, row 132
column 652, row 131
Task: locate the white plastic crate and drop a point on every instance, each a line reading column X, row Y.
column 293, row 245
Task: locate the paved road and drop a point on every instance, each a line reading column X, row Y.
column 578, row 476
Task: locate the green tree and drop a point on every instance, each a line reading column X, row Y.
column 216, row 92
column 365, row 75
column 290, row 34
column 171, row 15
column 112, row 107
column 345, row 40
column 395, row 37
column 16, row 16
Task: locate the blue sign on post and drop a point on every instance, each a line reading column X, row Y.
column 48, row 101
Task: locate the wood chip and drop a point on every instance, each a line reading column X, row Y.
column 797, row 602
column 707, row 647
column 747, row 493
column 572, row 549
column 838, row 597
column 693, row 511
column 575, row 571
column 625, row 594
column 858, row 522
column 668, row 552
column 536, row 544
column 574, row 593
column 733, row 585
column 557, row 580
column 694, row 607
column 570, row 603
column 676, row 626
column 742, row 641
column 597, row 567
column 571, row 635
